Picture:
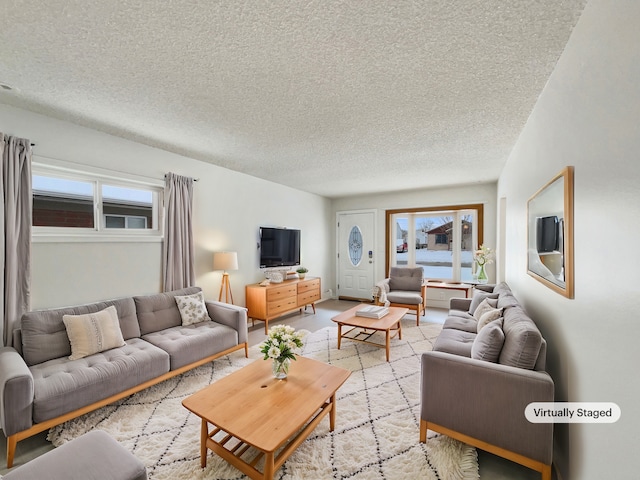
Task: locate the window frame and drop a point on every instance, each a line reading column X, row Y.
column 99, row 232
column 390, row 227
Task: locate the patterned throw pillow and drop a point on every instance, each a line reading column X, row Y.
column 485, row 306
column 488, row 317
column 93, row 332
column 192, row 308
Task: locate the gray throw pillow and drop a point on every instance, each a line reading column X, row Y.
column 488, row 343
column 478, row 297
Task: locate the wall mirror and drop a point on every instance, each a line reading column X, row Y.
column 550, row 234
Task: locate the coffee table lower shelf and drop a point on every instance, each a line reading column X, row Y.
column 369, row 326
column 232, row 449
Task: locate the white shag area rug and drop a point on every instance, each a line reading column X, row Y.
column 377, row 423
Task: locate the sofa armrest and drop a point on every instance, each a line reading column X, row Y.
column 16, row 392
column 457, row 303
column 231, row 315
column 487, row 401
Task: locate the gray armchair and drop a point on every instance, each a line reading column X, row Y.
column 404, row 288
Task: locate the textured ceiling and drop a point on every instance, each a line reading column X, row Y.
column 331, row 97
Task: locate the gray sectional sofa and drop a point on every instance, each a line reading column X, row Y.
column 475, row 384
column 40, row 387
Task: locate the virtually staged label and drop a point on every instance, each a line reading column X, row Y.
column 572, row 412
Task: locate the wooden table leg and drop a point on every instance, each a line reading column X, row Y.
column 399, row 330
column 204, row 435
column 339, row 335
column 388, row 342
column 269, row 466
column 332, row 413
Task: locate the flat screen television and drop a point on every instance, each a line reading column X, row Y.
column 547, row 234
column 279, row 247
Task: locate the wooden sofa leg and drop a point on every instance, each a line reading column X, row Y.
column 546, row 472
column 423, row 431
column 12, row 441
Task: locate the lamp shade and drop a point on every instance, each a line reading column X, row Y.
column 225, row 261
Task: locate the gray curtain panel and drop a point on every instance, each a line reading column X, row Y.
column 15, row 219
column 178, row 251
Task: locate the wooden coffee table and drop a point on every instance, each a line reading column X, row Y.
column 366, row 327
column 250, row 408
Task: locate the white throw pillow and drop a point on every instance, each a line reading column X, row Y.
column 192, row 308
column 488, row 317
column 486, row 305
column 478, row 297
column 93, row 332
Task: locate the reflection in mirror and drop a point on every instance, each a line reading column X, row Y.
column 550, row 233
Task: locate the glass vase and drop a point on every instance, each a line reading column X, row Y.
column 482, row 275
column 280, row 368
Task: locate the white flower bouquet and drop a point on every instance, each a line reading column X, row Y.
column 282, row 343
column 484, row 255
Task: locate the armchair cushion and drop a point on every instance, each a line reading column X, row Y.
column 408, row 279
column 404, row 297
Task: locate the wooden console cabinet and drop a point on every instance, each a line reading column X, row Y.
column 268, row 302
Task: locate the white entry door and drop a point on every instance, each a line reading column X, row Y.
column 356, row 234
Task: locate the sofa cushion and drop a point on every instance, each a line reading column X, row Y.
column 160, row 311
column 63, row 385
column 456, row 342
column 402, row 278
column 522, row 340
column 478, row 297
column 93, row 332
column 502, row 289
column 192, row 308
column 406, row 297
column 94, row 455
column 44, row 336
column 461, row 321
column 507, row 300
column 488, row 344
column 187, row 344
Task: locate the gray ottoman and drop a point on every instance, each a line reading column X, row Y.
column 93, row 456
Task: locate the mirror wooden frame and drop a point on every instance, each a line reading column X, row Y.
column 550, row 234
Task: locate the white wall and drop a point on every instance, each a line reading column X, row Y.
column 459, row 195
column 228, row 209
column 588, row 116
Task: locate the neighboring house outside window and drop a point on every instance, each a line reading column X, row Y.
column 442, row 240
column 84, row 205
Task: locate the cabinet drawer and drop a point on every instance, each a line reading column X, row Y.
column 308, row 297
column 284, row 291
column 308, row 285
column 281, row 305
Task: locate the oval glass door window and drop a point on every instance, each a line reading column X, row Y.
column 355, row 246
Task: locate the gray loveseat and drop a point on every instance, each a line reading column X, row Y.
column 475, row 385
column 40, row 387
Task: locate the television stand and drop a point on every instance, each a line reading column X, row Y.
column 276, row 299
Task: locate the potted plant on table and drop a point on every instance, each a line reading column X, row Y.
column 301, row 272
column 281, row 346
